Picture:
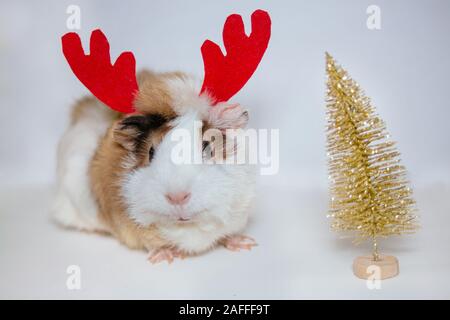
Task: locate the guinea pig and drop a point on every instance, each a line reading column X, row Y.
column 116, row 172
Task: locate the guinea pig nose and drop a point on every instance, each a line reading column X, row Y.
column 178, row 198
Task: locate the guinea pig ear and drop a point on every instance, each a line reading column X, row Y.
column 130, row 131
column 227, row 116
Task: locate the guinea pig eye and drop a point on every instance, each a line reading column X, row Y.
column 206, row 148
column 151, row 152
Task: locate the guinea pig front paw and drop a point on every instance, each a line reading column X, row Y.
column 165, row 254
column 228, row 116
column 238, row 242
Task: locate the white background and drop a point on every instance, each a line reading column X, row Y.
column 404, row 68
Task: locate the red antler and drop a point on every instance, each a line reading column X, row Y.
column 115, row 85
column 226, row 75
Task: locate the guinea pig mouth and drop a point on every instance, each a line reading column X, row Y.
column 182, row 218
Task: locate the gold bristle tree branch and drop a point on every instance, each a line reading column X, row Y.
column 369, row 191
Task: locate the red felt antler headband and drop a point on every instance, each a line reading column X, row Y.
column 116, row 85
column 226, row 75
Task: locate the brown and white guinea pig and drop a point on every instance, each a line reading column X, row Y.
column 116, row 174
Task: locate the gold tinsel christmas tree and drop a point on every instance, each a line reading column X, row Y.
column 369, row 190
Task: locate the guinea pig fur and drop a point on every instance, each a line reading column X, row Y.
column 115, row 173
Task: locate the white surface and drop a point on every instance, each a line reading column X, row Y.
column 403, row 67
column 297, row 256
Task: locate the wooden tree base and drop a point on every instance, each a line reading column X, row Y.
column 365, row 267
